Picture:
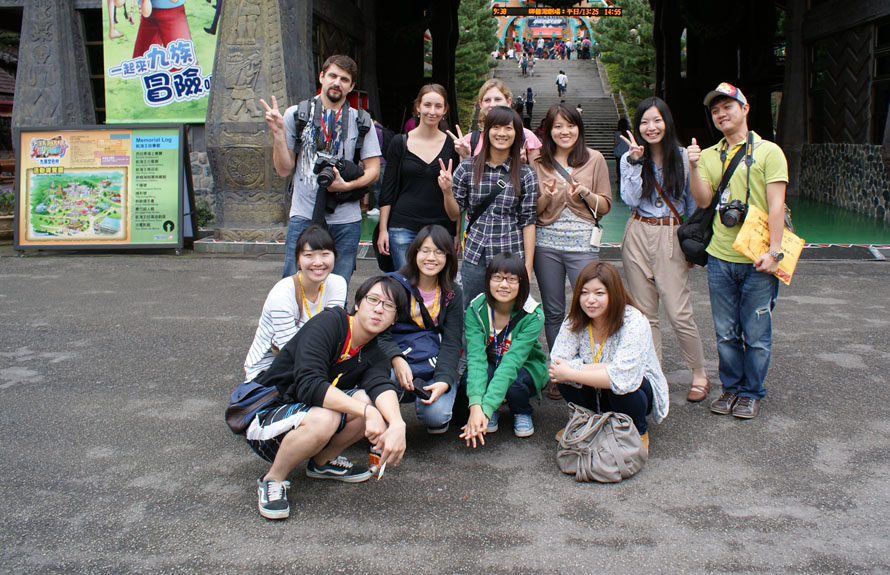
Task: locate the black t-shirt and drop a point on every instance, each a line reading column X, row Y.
column 411, row 187
column 305, row 367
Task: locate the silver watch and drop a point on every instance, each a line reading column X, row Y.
column 777, row 255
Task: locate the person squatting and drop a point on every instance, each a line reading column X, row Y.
column 461, row 338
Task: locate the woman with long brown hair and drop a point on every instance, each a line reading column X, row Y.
column 603, row 358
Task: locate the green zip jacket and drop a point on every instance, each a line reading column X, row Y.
column 524, row 351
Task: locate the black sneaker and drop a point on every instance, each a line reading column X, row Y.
column 272, row 498
column 340, row 469
column 723, row 404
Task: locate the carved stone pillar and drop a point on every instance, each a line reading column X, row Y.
column 264, row 48
column 53, row 83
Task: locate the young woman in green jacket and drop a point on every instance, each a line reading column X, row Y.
column 504, row 357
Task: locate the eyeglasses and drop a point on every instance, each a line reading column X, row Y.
column 425, row 252
column 498, row 278
column 375, row 300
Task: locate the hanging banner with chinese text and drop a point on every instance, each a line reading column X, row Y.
column 158, row 59
column 100, row 187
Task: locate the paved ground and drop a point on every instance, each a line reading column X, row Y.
column 115, row 370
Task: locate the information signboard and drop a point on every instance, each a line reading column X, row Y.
column 100, row 187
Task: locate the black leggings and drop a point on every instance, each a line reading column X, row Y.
column 637, row 404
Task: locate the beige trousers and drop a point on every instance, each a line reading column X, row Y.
column 656, row 269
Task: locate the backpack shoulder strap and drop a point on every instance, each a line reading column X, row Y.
column 415, row 293
column 364, row 124
column 474, row 141
column 301, row 118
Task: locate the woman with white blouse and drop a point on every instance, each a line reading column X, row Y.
column 603, row 358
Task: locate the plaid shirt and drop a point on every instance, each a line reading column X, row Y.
column 499, row 228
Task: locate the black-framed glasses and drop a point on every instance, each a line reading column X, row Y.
column 375, row 300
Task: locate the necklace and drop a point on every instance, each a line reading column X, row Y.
column 434, row 312
column 303, row 295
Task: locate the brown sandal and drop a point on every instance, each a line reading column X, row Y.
column 698, row 392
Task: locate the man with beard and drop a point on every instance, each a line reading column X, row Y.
column 326, row 134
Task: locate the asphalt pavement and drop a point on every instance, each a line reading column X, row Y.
column 115, row 370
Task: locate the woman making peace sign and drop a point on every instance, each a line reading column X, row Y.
column 655, row 185
column 574, row 186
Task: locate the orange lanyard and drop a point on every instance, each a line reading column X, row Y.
column 596, row 358
column 306, row 303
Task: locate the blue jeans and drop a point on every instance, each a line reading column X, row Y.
column 436, row 414
column 520, row 392
column 637, row 404
column 742, row 302
column 346, row 238
column 399, row 240
column 472, row 280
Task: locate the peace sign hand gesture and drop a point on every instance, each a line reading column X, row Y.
column 460, row 146
column 635, row 150
column 550, row 187
column 273, row 116
column 445, row 178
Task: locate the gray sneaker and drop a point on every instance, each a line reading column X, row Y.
column 340, row 469
column 272, row 498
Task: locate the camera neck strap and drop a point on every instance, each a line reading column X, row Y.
column 730, row 170
column 342, row 116
column 746, row 151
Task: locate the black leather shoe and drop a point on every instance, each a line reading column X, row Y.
column 723, row 404
column 746, row 407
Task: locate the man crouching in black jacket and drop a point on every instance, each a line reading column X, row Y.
column 334, row 387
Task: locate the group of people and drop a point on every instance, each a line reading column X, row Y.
column 449, row 336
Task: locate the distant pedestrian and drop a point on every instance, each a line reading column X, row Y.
column 562, row 83
column 529, row 102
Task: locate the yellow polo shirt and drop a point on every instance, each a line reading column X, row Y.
column 769, row 166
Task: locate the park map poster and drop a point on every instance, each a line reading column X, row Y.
column 100, row 187
column 158, row 59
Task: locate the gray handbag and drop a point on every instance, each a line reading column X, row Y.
column 600, row 447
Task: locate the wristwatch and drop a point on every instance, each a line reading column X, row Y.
column 777, row 255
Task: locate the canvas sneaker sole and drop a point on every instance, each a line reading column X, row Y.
column 344, row 477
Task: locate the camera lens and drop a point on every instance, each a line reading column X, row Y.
column 326, row 177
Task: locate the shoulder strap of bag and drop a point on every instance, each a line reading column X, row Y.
column 474, row 141
column 740, row 153
column 666, row 199
column 480, row 209
column 568, row 178
column 424, row 313
column 301, row 118
column 364, row 124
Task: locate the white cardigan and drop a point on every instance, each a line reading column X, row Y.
column 629, row 352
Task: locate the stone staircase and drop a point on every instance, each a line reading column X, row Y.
column 585, row 88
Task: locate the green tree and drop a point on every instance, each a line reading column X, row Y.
column 478, row 37
column 627, row 50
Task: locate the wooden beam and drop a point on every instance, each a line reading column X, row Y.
column 839, row 15
column 344, row 14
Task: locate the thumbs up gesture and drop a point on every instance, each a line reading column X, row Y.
column 694, row 153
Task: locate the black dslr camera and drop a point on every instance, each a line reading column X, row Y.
column 733, row 213
column 324, row 169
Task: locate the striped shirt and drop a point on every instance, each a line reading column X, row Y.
column 499, row 229
column 278, row 322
